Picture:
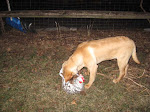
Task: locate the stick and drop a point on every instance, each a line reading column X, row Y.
column 8, row 4
column 58, row 28
column 141, row 5
column 138, row 84
column 130, row 80
column 104, row 75
column 142, row 74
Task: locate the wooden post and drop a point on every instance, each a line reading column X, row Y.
column 2, row 26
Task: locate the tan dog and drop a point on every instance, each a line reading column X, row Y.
column 89, row 54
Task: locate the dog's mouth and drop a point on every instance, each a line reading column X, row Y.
column 72, row 79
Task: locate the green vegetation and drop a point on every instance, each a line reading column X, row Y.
column 29, row 80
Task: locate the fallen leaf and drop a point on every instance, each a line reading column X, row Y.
column 74, row 102
column 8, row 49
column 10, row 100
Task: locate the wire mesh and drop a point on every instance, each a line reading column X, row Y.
column 102, row 5
column 105, row 5
column 86, row 23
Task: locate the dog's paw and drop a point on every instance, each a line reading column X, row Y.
column 87, row 86
column 115, row 81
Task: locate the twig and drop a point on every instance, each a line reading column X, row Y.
column 135, row 82
column 147, row 75
column 138, row 84
column 58, row 27
column 104, row 75
column 141, row 5
column 142, row 74
column 89, row 28
column 134, row 77
column 130, row 80
column 108, row 68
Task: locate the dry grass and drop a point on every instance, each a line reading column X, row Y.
column 30, row 82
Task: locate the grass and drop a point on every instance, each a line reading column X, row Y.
column 30, row 82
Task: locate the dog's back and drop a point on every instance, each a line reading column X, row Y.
column 105, row 42
column 109, row 48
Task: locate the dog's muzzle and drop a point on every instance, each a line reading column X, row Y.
column 77, row 85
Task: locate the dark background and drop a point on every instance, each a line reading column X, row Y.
column 101, row 5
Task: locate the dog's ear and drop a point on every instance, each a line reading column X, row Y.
column 68, row 76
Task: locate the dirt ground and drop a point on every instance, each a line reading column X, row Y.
column 30, row 64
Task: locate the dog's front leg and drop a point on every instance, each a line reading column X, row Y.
column 93, row 71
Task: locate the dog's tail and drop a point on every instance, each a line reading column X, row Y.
column 134, row 56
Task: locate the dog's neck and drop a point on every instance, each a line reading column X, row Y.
column 72, row 66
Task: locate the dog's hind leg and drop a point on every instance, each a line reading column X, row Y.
column 123, row 66
column 126, row 69
column 93, row 71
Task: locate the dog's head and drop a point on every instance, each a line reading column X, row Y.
column 68, row 75
column 69, row 70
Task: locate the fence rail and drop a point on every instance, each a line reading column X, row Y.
column 76, row 14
